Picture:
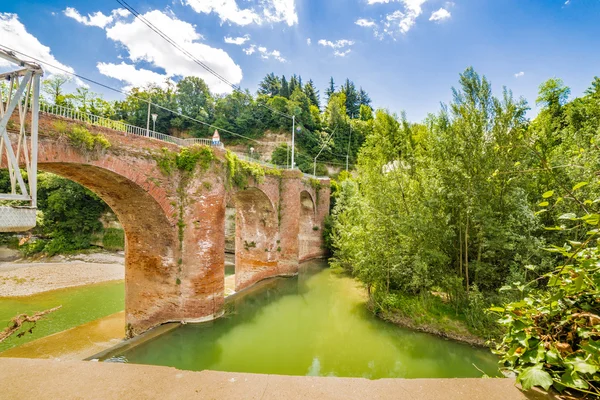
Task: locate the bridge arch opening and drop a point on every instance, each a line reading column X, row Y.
column 151, row 250
column 257, row 244
column 307, row 232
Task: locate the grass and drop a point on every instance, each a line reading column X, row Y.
column 434, row 313
column 113, row 239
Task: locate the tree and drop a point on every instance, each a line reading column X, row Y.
column 294, row 83
column 270, row 85
column 352, row 99
column 312, row 93
column 363, row 98
column 553, row 94
column 53, row 89
column 365, row 113
column 285, row 88
column 330, row 89
column 195, row 100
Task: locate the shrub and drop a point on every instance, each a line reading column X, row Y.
column 114, row 239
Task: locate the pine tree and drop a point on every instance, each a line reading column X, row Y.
column 363, row 98
column 331, row 89
column 270, row 85
column 312, row 93
column 293, row 83
column 352, row 99
column 285, row 88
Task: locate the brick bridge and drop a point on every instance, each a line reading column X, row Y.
column 174, row 220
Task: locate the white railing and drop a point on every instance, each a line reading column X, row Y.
column 204, row 142
column 96, row 120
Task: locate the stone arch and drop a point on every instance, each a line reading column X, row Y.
column 151, row 245
column 307, row 236
column 257, row 237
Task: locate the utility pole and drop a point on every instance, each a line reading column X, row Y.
column 293, row 137
column 148, row 122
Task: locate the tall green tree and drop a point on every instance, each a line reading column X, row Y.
column 285, row 88
column 312, row 93
column 270, row 85
column 330, row 89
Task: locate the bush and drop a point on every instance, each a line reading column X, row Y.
column 114, row 239
column 80, row 137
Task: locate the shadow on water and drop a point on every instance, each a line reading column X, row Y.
column 312, row 324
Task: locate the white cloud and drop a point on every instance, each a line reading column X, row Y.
column 14, row 35
column 440, row 15
column 229, row 11
column 339, row 53
column 135, row 77
column 96, row 19
column 142, row 44
column 398, row 21
column 266, row 54
column 308, row 41
column 519, row 74
column 280, row 11
column 238, row 40
column 341, row 47
column 366, row 23
column 338, row 44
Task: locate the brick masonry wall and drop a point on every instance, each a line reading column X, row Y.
column 175, row 224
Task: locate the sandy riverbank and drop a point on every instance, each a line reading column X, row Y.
column 27, row 278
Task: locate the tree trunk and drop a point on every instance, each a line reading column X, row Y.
column 467, row 254
column 460, row 251
column 479, row 250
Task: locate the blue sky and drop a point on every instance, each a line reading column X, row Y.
column 406, row 54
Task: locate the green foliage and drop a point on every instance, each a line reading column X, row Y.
column 452, row 205
column 68, row 217
column 166, row 161
column 81, row 137
column 186, row 160
column 553, row 333
column 239, row 172
column 113, row 239
column 189, row 157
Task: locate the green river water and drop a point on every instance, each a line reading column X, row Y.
column 79, row 306
column 314, row 324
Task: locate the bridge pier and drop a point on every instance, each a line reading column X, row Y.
column 174, row 221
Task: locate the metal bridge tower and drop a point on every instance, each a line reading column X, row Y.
column 20, row 92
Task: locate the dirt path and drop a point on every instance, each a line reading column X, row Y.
column 26, row 278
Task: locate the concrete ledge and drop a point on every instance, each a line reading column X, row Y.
column 50, row 379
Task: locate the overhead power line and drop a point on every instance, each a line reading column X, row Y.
column 187, row 53
column 128, row 94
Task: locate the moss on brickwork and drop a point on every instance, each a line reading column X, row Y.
column 186, row 160
column 189, row 157
column 79, row 136
column 239, row 172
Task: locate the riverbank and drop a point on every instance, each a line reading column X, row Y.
column 459, row 332
column 91, row 380
column 25, row 278
column 77, row 343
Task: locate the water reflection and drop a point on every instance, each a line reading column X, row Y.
column 314, row 324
